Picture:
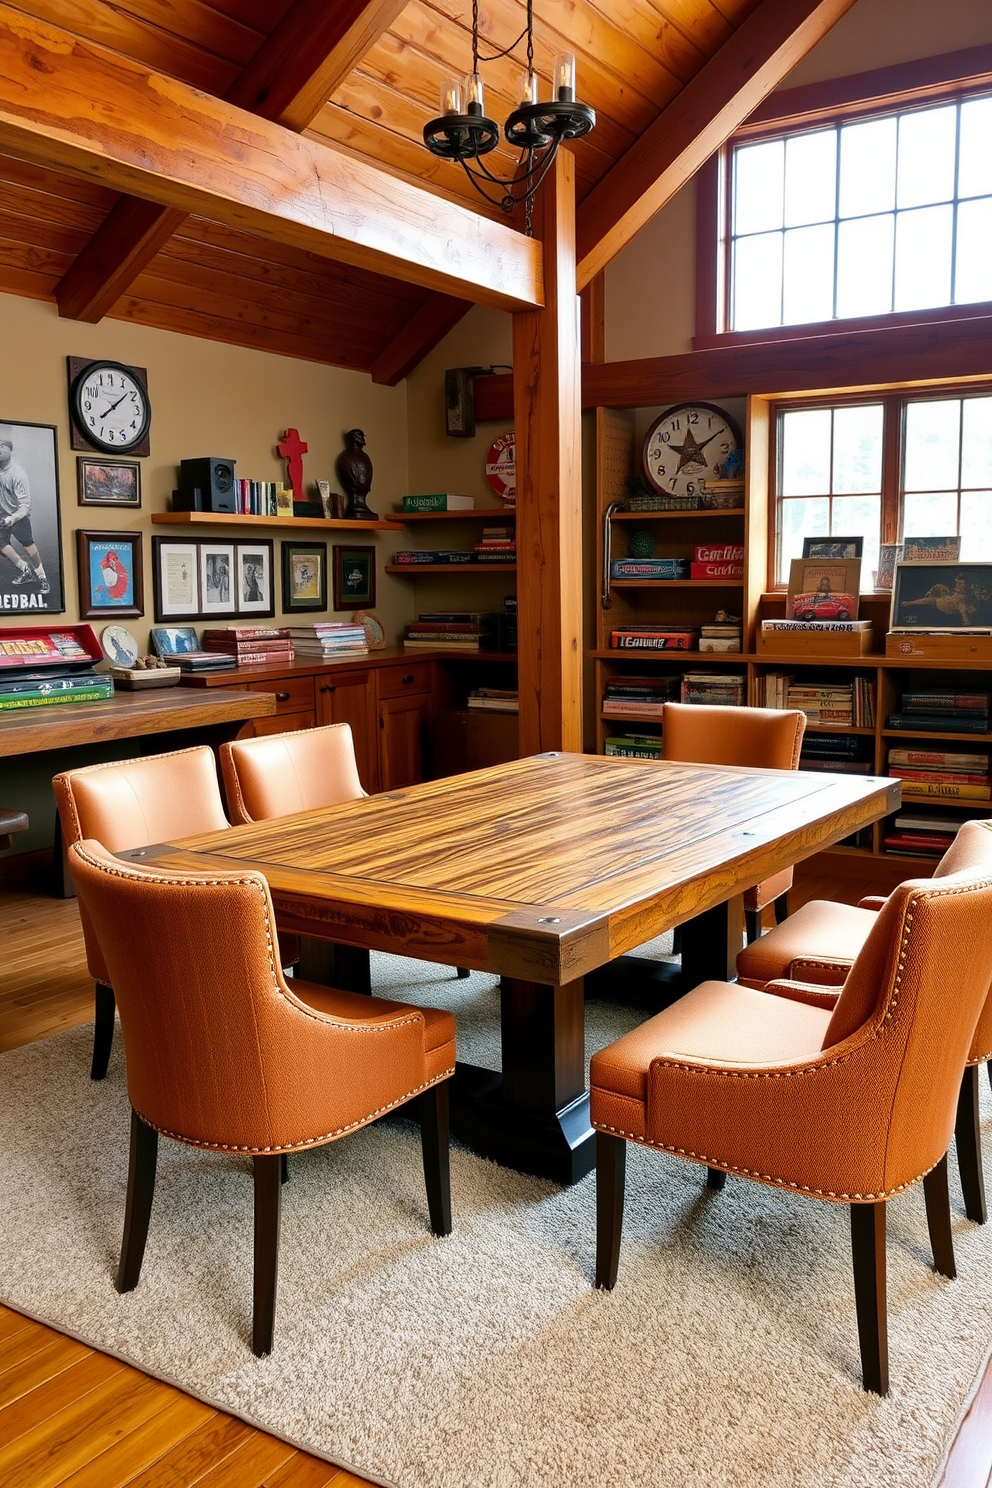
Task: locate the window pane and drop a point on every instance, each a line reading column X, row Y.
column 805, row 467
column 975, row 156
column 810, row 178
column 973, row 269
column 758, row 282
column 799, row 519
column 923, row 258
column 860, row 516
column 808, row 274
column 976, row 443
column 926, row 156
column 758, row 187
column 867, row 167
column 864, row 267
column 976, row 526
column 931, row 457
column 930, row 514
column 857, row 452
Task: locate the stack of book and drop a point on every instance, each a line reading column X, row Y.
column 840, row 754
column 634, row 746
column 498, row 545
column 717, row 561
column 721, row 635
column 327, row 638
column 30, row 688
column 202, row 661
column 250, row 645
column 437, row 501
column 825, row 702
column 433, row 555
column 39, row 667
column 945, row 773
column 639, row 694
column 650, row 568
column 943, row 712
column 508, row 624
column 719, row 689
column 922, row 836
column 460, row 630
column 495, row 699
column 655, row 638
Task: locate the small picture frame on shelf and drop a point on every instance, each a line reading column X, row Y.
column 253, row 574
column 942, row 596
column 931, row 549
column 304, row 576
column 354, row 577
column 833, row 547
column 173, row 640
column 218, row 581
column 889, row 554
column 110, row 575
column 108, row 482
column 175, row 571
column 821, row 589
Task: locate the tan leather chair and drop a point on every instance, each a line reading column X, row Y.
column 222, row 1053
column 819, row 944
column 851, row 1105
column 126, row 804
column 757, row 738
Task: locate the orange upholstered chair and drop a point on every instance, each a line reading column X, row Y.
column 224, row 1054
column 126, row 804
column 851, row 1105
column 819, row 944
column 757, row 738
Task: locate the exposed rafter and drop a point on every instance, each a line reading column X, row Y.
column 422, row 332
column 290, row 78
column 70, row 105
column 763, row 49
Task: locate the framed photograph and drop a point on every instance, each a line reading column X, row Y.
column 175, row 565
column 931, row 549
column 253, row 572
column 31, row 580
column 108, row 482
column 304, row 576
column 173, row 640
column 218, row 580
column 110, row 577
column 354, row 578
column 942, row 596
column 889, row 554
column 833, row 547
column 823, row 590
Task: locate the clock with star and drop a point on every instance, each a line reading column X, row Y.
column 688, row 443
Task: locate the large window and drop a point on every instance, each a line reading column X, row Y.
column 884, row 470
column 863, row 218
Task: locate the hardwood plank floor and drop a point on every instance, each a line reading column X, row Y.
column 71, row 1417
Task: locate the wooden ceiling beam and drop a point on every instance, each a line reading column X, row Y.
column 761, row 52
column 72, row 106
column 423, row 331
column 289, row 79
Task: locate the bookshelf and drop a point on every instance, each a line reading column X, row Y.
column 238, row 519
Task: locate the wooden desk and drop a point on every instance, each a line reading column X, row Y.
column 127, row 715
column 542, row 870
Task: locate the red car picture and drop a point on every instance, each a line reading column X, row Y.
column 823, row 606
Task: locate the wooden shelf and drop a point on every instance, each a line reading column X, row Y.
column 693, row 516
column 413, row 569
column 235, row 519
column 663, row 584
column 476, row 514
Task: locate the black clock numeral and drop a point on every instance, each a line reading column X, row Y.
column 692, row 418
column 666, row 437
column 673, row 482
column 660, row 470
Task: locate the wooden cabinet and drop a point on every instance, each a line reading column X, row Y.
column 404, row 739
column 294, row 705
column 349, row 697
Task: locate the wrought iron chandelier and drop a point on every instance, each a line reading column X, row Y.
column 463, row 133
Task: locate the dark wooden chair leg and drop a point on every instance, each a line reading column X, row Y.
column 752, row 924
column 782, row 908
column 989, row 1068
column 268, row 1199
column 103, row 1029
column 715, row 1178
column 939, row 1219
column 284, row 1169
column 868, row 1254
column 434, row 1146
column 138, row 1208
column 611, row 1172
column 461, row 972
column 968, row 1136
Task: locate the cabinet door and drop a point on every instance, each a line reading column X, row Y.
column 349, row 697
column 403, row 737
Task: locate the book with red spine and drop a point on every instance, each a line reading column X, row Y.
column 728, row 570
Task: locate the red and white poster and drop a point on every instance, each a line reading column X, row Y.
column 501, row 467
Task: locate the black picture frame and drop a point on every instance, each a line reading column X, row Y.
column 254, row 582
column 304, row 577
column 103, row 482
column 33, row 450
column 176, row 579
column 833, row 547
column 111, row 577
column 354, row 577
column 942, row 596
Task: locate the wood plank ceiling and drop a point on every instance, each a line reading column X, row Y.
column 365, row 82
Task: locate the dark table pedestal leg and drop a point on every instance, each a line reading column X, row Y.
column 533, row 1116
column 709, row 945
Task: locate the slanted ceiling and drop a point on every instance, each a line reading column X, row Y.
column 386, row 63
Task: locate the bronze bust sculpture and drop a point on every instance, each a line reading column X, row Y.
column 355, row 474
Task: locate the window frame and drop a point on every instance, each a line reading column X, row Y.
column 949, row 78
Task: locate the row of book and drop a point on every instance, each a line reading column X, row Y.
column 625, row 695
column 459, row 630
column 31, row 688
column 270, row 645
column 942, row 711
column 851, row 703
column 708, row 561
column 254, row 498
column 945, row 773
column 492, row 553
column 494, row 700
column 920, row 834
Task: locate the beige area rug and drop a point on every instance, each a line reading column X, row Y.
column 727, row 1355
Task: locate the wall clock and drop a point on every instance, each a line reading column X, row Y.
column 109, row 407
column 686, row 444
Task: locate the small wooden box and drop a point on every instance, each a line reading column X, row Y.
column 810, row 644
column 932, row 646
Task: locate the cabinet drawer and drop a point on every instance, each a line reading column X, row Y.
column 281, row 723
column 292, row 694
column 399, row 680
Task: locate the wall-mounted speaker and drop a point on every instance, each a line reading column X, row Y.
column 213, row 478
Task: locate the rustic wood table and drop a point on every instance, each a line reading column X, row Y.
column 542, row 870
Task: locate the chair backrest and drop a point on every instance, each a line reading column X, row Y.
column 220, row 1052
column 132, row 803
column 971, row 851
column 277, row 774
column 758, row 738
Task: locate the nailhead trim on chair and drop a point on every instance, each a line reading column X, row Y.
column 115, row 765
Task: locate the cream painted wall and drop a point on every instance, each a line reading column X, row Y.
column 207, row 399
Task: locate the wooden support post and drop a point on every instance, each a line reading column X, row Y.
column 547, row 413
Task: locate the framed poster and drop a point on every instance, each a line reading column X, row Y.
column 942, row 596
column 823, row 589
column 110, row 576
column 108, row 482
column 304, row 576
column 833, row 547
column 217, row 579
column 175, row 566
column 253, row 576
column 31, row 578
column 354, row 578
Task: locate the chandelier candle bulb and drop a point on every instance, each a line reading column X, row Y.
column 474, row 93
column 527, row 89
column 451, row 95
column 564, row 77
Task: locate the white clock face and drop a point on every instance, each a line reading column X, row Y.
column 687, row 444
column 111, row 406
